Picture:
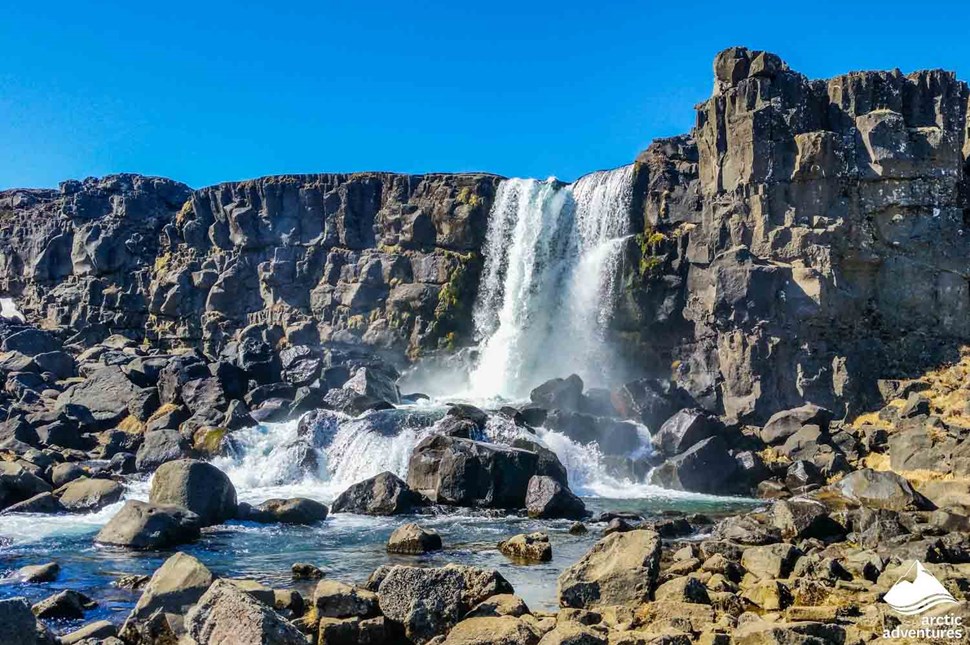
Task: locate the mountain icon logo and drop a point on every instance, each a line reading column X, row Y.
column 922, row 594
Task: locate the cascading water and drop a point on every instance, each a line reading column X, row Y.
column 552, row 255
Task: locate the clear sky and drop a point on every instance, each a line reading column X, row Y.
column 214, row 91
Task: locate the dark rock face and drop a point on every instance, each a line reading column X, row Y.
column 548, row 498
column 462, row 472
column 705, row 467
column 383, row 494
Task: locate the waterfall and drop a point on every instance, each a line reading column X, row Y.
column 552, row 256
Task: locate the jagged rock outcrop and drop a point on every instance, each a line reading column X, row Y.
column 807, row 238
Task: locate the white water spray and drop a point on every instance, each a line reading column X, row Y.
column 552, row 259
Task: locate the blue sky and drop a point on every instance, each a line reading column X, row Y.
column 208, row 92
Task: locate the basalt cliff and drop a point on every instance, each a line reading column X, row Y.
column 805, row 242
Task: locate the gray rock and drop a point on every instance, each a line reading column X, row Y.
column 63, row 604
column 413, row 539
column 17, row 623
column 784, row 424
column 104, row 394
column 149, row 526
column 197, row 486
column 546, row 498
column 621, row 568
column 297, row 510
column 37, row 573
column 383, row 494
column 334, row 599
column 706, row 467
column 173, row 589
column 559, row 394
column 880, row 489
column 87, row 495
column 98, row 632
column 226, row 614
column 683, row 430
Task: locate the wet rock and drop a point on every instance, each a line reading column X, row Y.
column 98, row 632
column 18, row 484
column 684, row 429
column 383, row 494
column 42, row 503
column 559, row 394
column 373, row 384
column 197, row 486
column 87, row 495
column 334, row 599
column 429, row 601
column 149, row 526
column 546, row 498
column 66, row 472
column 63, row 604
column 650, row 401
column 225, row 614
column 706, row 467
column 37, row 573
column 621, row 568
column 297, row 510
column 578, row 528
column 174, row 588
column 306, row 571
column 534, row 547
column 413, row 539
column 462, row 472
column 613, row 437
column 160, row 447
column 17, row 623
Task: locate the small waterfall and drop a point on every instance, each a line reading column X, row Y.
column 552, row 257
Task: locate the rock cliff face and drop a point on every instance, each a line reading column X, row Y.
column 388, row 260
column 805, row 240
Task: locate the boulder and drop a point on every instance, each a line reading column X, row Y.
column 139, row 525
column 462, row 472
column 37, row 573
column 784, row 424
column 42, row 503
column 373, row 384
column 770, row 561
column 650, row 401
column 159, row 447
column 613, row 437
column 65, row 473
column 18, row 626
column 546, row 498
column 706, row 467
column 383, row 494
column 30, row 342
column 413, row 539
column 305, row 571
column 104, row 394
column 334, row 599
column 804, row 518
column 97, row 632
column 87, row 495
column 174, row 588
column 430, row 601
column 17, row 484
column 532, row 547
column 505, row 604
column 880, row 489
column 620, row 569
column 501, row 630
column 176, row 373
column 559, row 394
column 684, row 429
column 297, row 510
column 68, row 604
column 197, row 486
column 226, row 614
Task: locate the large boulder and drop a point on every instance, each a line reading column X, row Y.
column 159, row 447
column 784, row 424
column 559, row 393
column 880, row 489
column 705, row 467
column 413, row 539
column 17, row 623
column 86, row 495
column 373, row 384
column 104, row 394
column 197, row 486
column 462, row 472
column 334, row 599
column 173, row 589
column 18, row 484
column 429, row 601
column 684, row 429
column 497, row 630
column 226, row 614
column 139, row 525
column 546, row 498
column 611, row 436
column 527, row 547
column 620, row 569
column 650, row 401
column 297, row 510
column 383, row 494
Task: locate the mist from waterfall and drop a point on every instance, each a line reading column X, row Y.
column 549, row 284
